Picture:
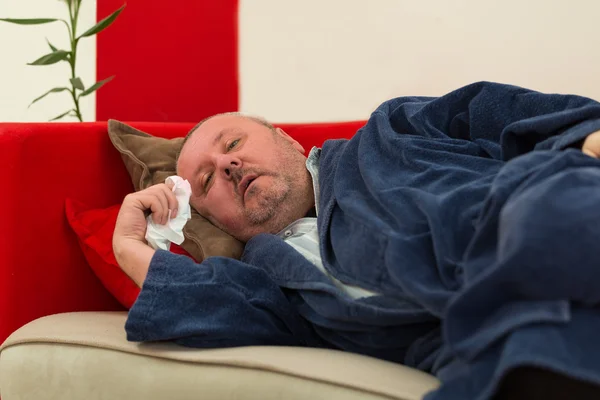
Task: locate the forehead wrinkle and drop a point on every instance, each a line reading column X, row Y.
column 225, row 131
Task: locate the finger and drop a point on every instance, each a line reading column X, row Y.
column 164, row 203
column 170, row 198
column 167, row 200
column 158, row 199
column 589, row 152
column 591, row 145
column 172, row 202
column 586, row 151
column 157, row 207
column 151, row 201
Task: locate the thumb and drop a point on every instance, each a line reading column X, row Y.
column 170, row 184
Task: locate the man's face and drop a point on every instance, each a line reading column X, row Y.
column 246, row 178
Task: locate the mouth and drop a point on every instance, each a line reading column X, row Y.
column 245, row 184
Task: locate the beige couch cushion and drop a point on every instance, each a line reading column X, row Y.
column 86, row 356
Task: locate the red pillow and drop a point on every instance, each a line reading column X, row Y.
column 94, row 229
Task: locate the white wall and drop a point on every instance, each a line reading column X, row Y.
column 19, row 83
column 323, row 60
column 316, row 60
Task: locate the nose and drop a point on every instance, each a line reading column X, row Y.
column 227, row 164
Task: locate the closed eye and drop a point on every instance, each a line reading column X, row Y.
column 207, row 181
column 233, row 144
column 209, row 177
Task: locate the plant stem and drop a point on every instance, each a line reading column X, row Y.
column 74, row 15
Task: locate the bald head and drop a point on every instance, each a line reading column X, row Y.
column 254, row 118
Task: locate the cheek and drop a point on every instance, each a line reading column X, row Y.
column 197, row 205
column 224, row 213
column 228, row 222
column 219, row 199
column 222, row 208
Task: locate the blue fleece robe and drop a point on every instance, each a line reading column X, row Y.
column 473, row 215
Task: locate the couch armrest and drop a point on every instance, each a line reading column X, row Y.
column 42, row 269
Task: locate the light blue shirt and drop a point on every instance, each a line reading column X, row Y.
column 303, row 234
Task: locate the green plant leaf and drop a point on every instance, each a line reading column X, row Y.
column 55, row 90
column 102, row 25
column 60, row 116
column 51, row 46
column 77, row 83
column 35, row 21
column 51, row 58
column 96, row 86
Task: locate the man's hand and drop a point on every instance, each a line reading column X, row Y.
column 131, row 222
column 129, row 243
column 591, row 145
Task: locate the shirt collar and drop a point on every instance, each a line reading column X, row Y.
column 312, row 165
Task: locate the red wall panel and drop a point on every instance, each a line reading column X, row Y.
column 173, row 61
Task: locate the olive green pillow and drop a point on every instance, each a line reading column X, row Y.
column 150, row 160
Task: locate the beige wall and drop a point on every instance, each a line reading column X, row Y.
column 19, row 83
column 321, row 60
column 316, row 60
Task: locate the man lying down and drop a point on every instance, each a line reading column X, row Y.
column 457, row 235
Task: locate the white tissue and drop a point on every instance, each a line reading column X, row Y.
column 160, row 236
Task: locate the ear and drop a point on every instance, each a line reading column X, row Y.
column 290, row 139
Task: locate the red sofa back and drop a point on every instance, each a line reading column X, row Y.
column 42, row 269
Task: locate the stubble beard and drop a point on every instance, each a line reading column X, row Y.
column 279, row 203
column 268, row 201
column 270, row 207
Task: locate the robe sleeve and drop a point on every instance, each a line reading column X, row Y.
column 505, row 121
column 221, row 302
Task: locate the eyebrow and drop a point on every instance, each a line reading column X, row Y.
column 219, row 137
column 224, row 131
